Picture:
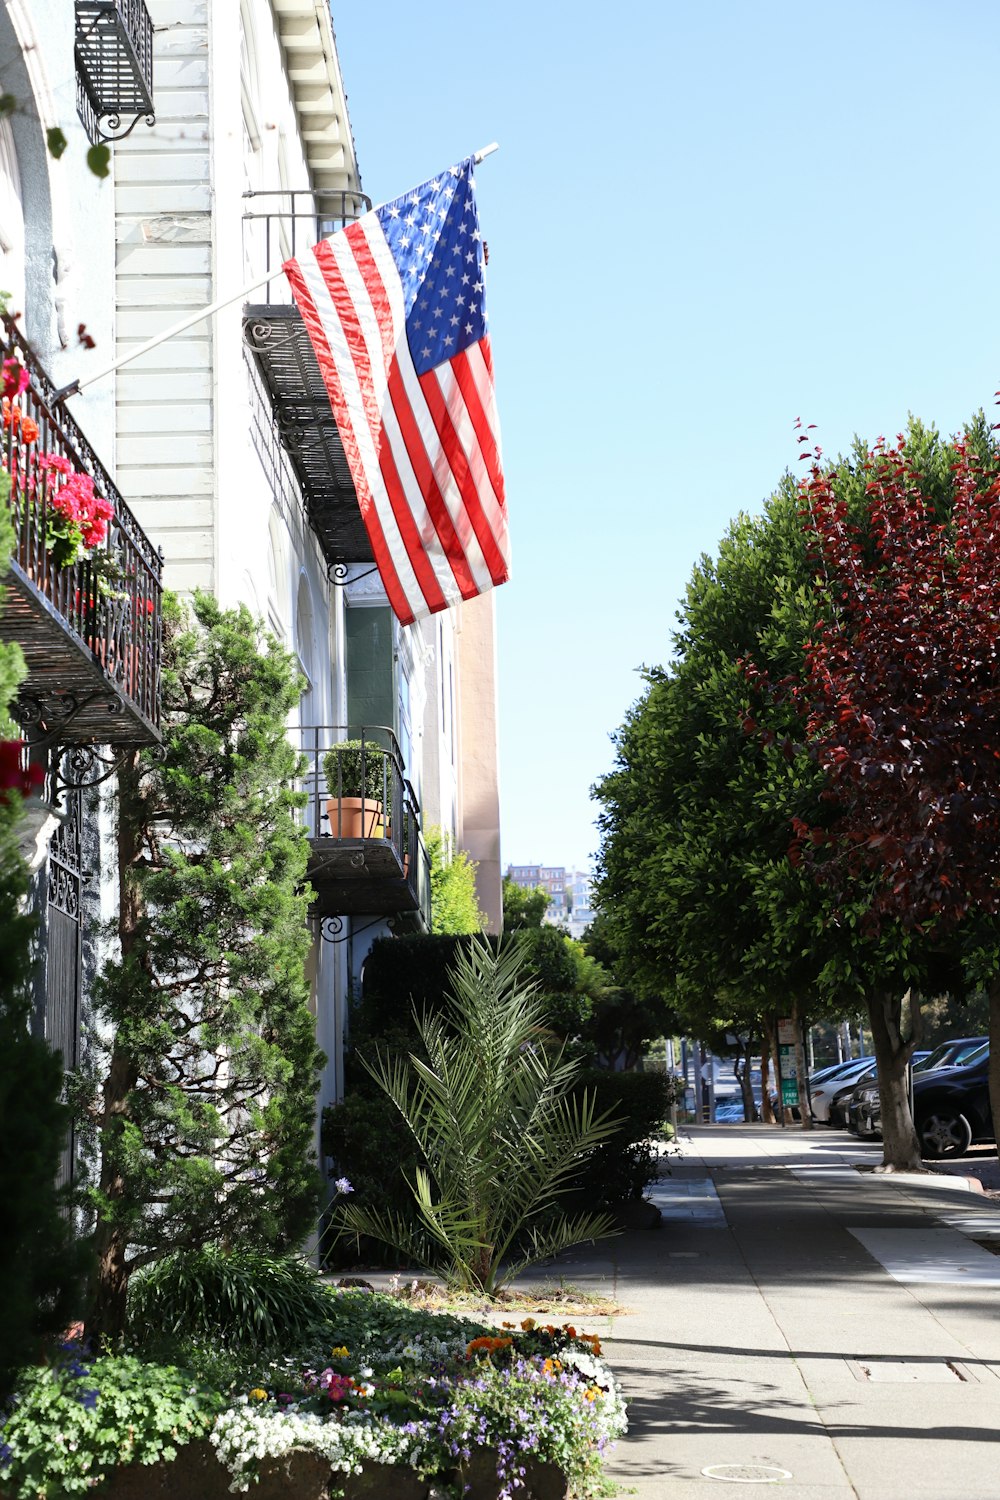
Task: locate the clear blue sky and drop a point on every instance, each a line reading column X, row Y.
column 704, row 220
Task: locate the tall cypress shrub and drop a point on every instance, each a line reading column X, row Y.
column 205, row 1112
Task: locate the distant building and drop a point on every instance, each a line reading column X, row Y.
column 569, row 893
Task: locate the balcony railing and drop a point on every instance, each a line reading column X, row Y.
column 276, row 227
column 363, row 820
column 114, row 66
column 89, row 628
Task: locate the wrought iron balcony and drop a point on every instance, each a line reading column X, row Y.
column 367, row 856
column 89, row 628
column 277, row 226
column 114, row 66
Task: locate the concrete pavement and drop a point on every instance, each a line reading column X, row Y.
column 799, row 1323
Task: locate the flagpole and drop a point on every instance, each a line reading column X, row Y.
column 75, row 386
column 161, row 338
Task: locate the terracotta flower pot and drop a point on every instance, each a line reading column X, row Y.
column 356, row 818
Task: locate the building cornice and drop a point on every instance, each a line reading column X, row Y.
column 306, row 34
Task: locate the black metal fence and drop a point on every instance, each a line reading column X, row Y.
column 110, row 595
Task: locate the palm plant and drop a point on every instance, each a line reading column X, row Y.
column 491, row 1112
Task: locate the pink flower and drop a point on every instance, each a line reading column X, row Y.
column 14, row 376
column 55, row 462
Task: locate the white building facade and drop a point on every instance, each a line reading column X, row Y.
column 218, row 438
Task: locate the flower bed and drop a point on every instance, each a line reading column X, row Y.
column 406, row 1403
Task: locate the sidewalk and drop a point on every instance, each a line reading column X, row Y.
column 800, row 1323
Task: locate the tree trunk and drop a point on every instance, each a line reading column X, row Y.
column 805, row 1113
column 106, row 1313
column 766, row 1108
column 900, row 1147
column 746, row 1084
column 995, row 1055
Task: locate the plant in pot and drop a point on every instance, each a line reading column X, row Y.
column 359, row 781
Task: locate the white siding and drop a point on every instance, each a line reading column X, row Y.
column 163, row 208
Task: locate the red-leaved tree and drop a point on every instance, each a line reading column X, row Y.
column 901, row 687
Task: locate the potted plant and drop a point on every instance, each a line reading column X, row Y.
column 359, row 777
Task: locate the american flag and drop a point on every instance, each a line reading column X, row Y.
column 394, row 308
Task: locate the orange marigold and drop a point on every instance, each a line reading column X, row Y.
column 486, row 1345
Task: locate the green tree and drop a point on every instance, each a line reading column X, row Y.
column 694, row 875
column 623, row 1022
column 492, row 1110
column 900, row 688
column 454, row 906
column 523, row 908
column 40, row 1262
column 205, row 1109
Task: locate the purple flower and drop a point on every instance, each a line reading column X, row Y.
column 343, row 1186
column 88, row 1399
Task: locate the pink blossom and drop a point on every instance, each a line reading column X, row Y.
column 14, row 376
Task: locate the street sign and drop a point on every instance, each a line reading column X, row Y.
column 786, row 1032
column 789, row 1091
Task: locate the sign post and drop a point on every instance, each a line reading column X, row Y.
column 788, row 1062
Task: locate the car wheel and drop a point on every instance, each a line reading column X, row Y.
column 944, row 1133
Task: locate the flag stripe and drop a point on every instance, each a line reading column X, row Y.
column 444, row 541
column 458, row 441
column 472, row 371
column 320, row 329
column 363, row 308
column 457, row 381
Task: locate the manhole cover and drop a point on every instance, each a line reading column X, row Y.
column 747, row 1473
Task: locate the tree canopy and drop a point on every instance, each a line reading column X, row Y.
column 740, row 769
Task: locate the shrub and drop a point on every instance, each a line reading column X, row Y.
column 249, row 1298
column 622, row 1166
column 385, row 1383
column 410, row 976
column 501, row 1133
column 454, row 904
column 74, row 1421
column 359, row 768
column 366, row 1140
column 402, row 975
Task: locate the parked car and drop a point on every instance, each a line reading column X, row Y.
column 951, row 1107
column 865, row 1113
column 946, row 1054
column 823, row 1096
column 840, row 1101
